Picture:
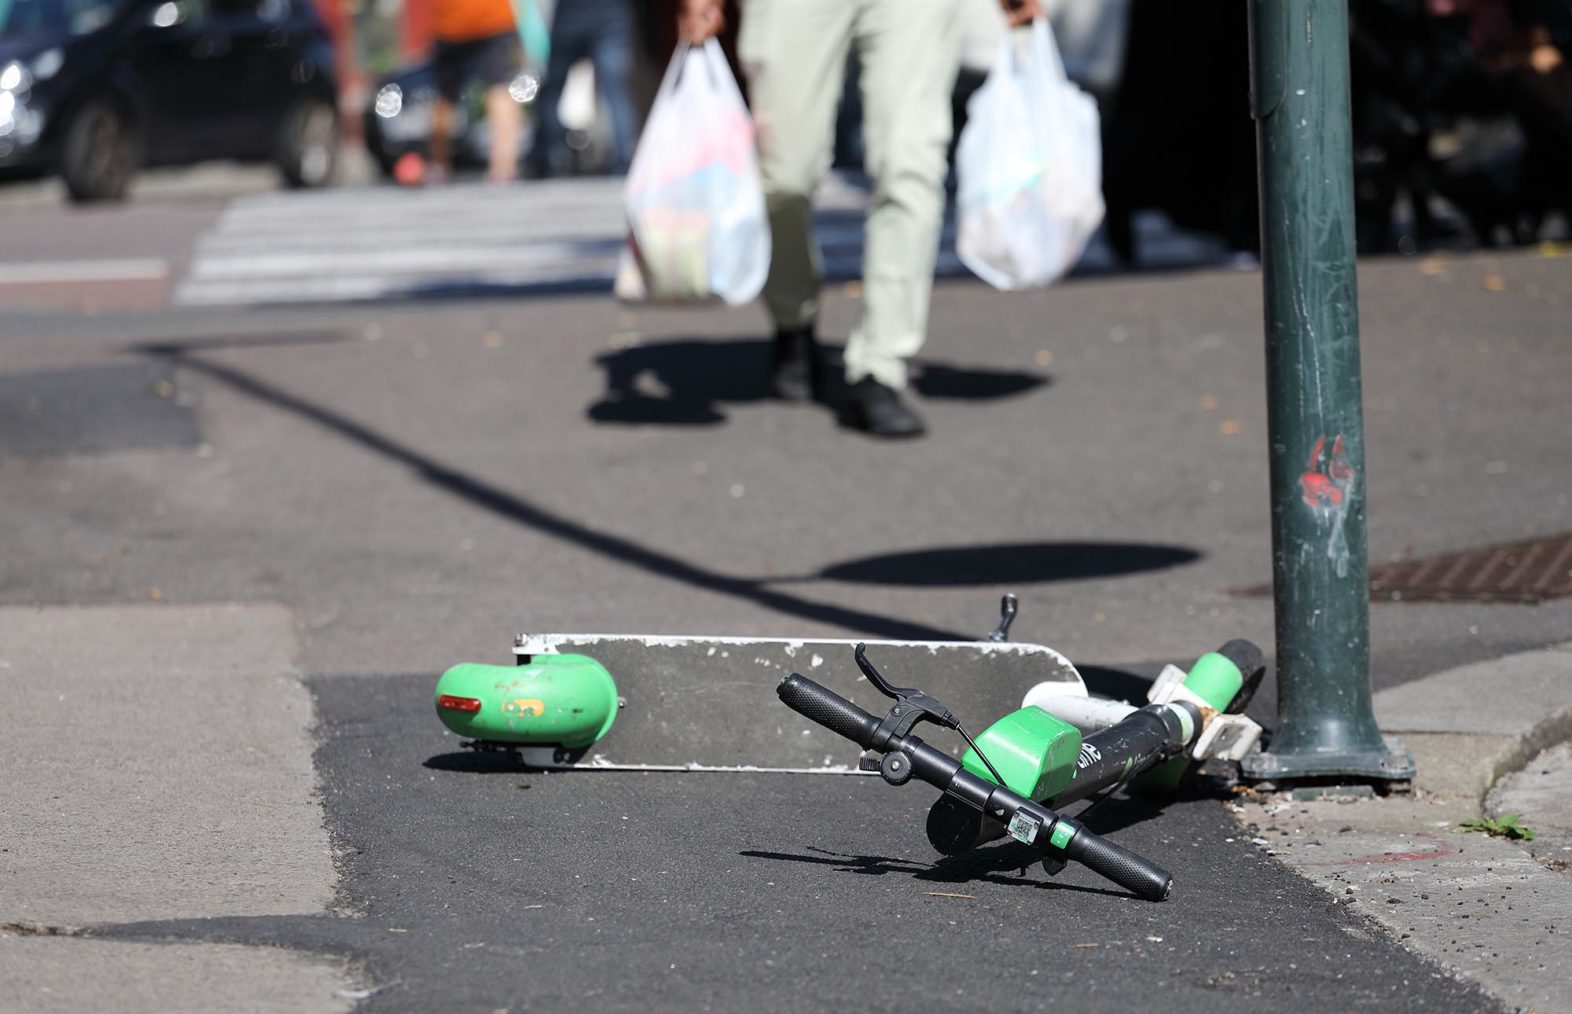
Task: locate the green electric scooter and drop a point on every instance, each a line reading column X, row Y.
column 555, row 707
column 1060, row 747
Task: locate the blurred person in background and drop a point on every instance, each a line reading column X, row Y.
column 1522, row 46
column 602, row 32
column 476, row 42
column 794, row 55
column 1177, row 131
column 1462, row 121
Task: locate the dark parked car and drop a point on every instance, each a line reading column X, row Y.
column 93, row 89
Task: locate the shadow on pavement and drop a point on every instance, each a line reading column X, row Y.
column 990, row 863
column 686, row 382
column 515, row 508
column 477, row 762
column 1009, row 564
column 871, row 866
column 1115, row 683
column 993, row 565
column 681, row 383
column 968, row 383
column 452, row 290
column 984, row 864
column 182, row 347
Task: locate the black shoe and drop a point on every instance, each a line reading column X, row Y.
column 794, row 375
column 881, row 411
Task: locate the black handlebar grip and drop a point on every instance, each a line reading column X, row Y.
column 1251, row 661
column 1123, row 867
column 827, row 708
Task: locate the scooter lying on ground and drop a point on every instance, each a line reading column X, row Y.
column 691, row 702
column 1061, row 746
column 679, row 697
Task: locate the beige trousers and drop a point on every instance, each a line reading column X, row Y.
column 794, row 55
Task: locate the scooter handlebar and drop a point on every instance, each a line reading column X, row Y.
column 827, row 708
column 1136, row 875
column 836, row 713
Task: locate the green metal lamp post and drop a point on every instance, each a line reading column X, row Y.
column 1300, row 97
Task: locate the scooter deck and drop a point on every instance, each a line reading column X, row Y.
column 696, row 703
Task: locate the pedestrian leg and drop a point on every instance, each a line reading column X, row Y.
column 507, row 128
column 441, row 141
column 613, row 59
column 909, row 62
column 794, row 55
column 545, row 154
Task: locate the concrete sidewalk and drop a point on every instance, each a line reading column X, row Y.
column 1496, row 911
column 161, row 768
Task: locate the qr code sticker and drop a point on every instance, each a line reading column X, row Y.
column 1023, row 828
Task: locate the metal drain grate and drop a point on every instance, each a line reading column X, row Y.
column 1534, row 570
column 1529, row 571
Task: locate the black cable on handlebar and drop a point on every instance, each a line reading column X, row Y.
column 978, row 750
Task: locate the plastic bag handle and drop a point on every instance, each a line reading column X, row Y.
column 1042, row 42
column 668, row 81
column 712, row 56
column 715, row 60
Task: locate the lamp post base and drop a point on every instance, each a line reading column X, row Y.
column 1391, row 767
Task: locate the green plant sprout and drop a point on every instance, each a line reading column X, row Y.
column 1504, row 826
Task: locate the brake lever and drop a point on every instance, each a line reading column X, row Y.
column 912, row 705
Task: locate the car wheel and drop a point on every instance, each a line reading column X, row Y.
column 309, row 156
column 99, row 154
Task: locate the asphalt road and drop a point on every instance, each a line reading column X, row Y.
column 417, row 480
column 468, row 884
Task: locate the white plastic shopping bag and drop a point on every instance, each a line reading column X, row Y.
column 1029, row 168
column 696, row 219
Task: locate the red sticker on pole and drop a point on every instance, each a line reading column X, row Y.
column 1327, row 488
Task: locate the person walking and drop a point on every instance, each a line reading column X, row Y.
column 793, row 53
column 476, row 41
column 601, row 31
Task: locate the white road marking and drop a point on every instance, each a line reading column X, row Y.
column 387, row 242
column 135, row 269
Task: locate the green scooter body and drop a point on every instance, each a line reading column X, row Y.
column 1033, row 751
column 1215, row 679
column 553, row 700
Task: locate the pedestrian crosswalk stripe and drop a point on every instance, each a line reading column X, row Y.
column 368, row 243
